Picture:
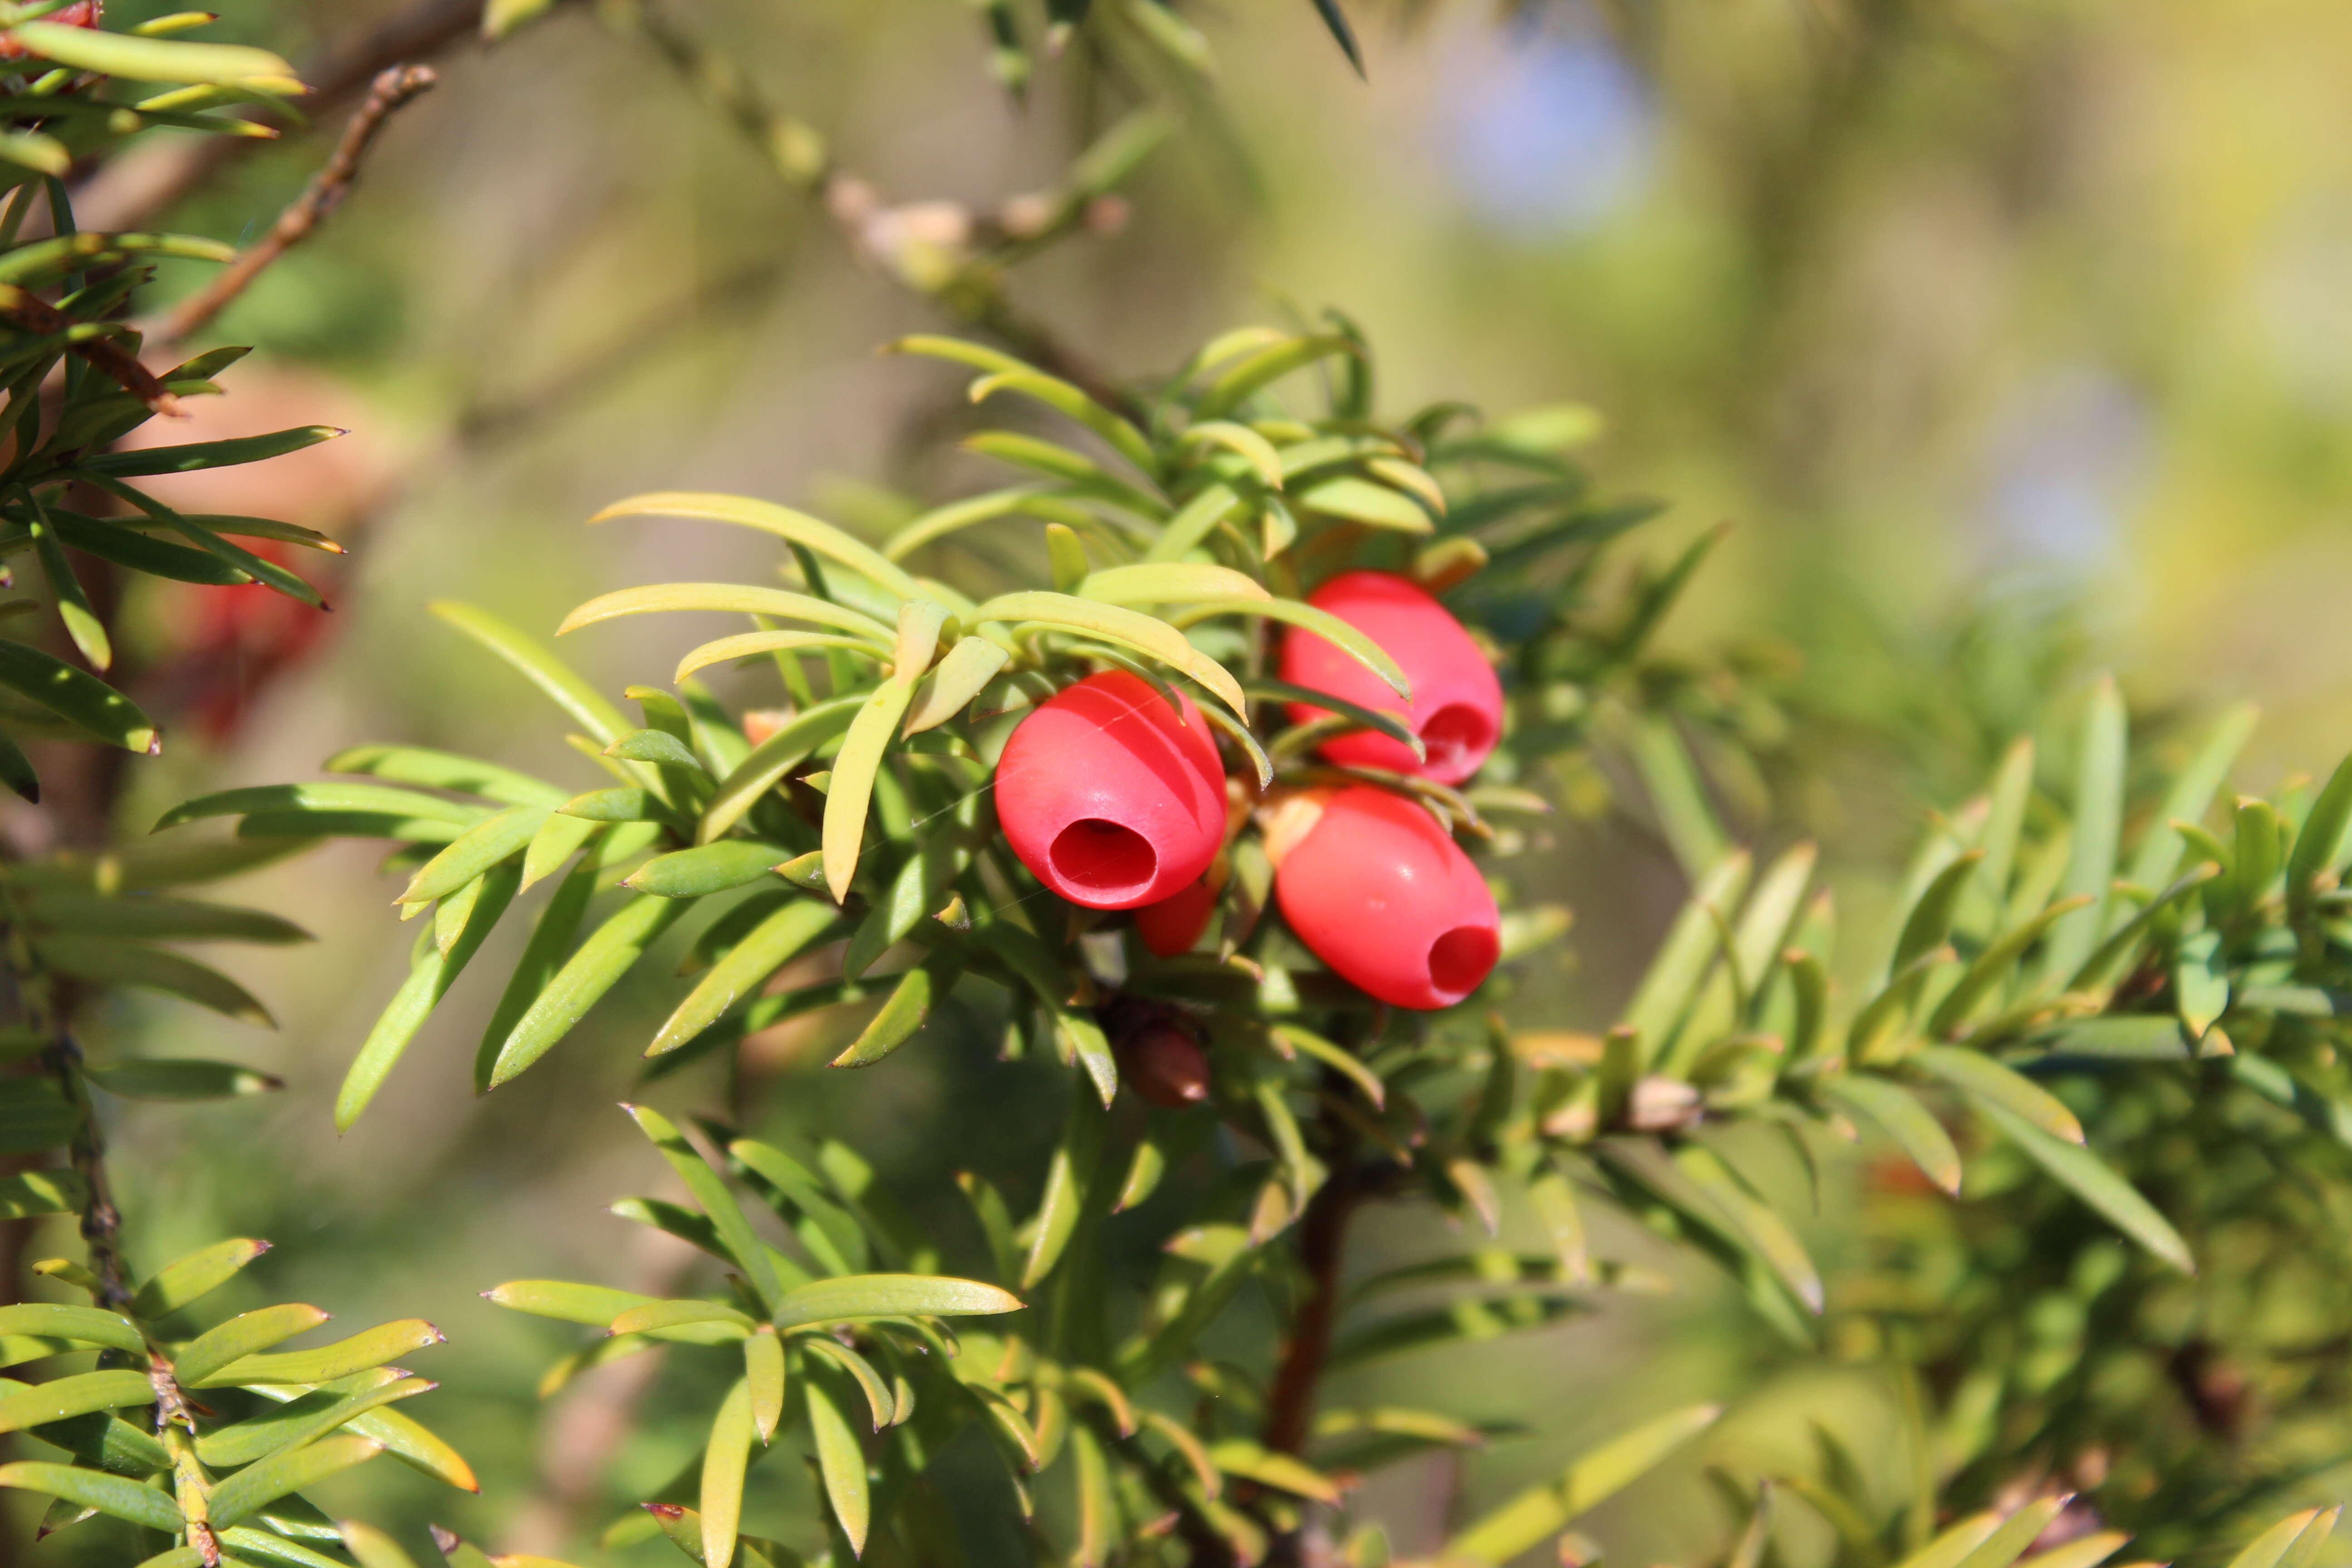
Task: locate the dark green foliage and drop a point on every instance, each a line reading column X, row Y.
column 236, row 1424
column 73, row 380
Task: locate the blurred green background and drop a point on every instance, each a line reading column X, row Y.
column 2016, row 339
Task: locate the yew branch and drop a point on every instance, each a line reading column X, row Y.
column 394, row 87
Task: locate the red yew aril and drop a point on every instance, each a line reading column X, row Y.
column 235, row 642
column 1173, row 924
column 1384, row 896
column 1167, row 1067
column 1456, row 707
column 81, row 13
column 1108, row 797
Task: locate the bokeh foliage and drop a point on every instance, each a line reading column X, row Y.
column 2098, row 1002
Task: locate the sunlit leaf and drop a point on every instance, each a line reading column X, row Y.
column 745, row 643
column 244, row 1335
column 371, row 1348
column 858, row 1296
column 433, row 970
column 842, row 1462
column 610, row 951
column 711, row 1191
column 2098, row 824
column 2090, row 1179
column 952, row 683
column 1168, row 583
column 809, row 532
column 724, row 1458
column 1361, row 501
column 1914, row 1129
column 1122, row 627
column 187, row 1279
column 1236, row 1457
column 75, row 1395
column 764, row 1379
column 303, row 1419
column 115, row 1495
column 761, row 952
column 770, row 760
column 153, row 60
column 731, row 597
column 1262, row 367
column 1981, row 1078
column 77, row 697
column 2269, row 1549
column 1309, row 617
column 565, row 688
column 1540, row 1512
column 869, row 735
column 245, row 1493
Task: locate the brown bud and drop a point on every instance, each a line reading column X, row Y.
column 1106, row 214
column 1166, row 1067
column 760, row 724
column 1027, row 216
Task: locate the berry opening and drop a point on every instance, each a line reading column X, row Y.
column 1463, row 957
column 1103, row 858
column 1455, row 733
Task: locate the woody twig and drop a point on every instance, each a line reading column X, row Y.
column 394, row 87
column 111, row 360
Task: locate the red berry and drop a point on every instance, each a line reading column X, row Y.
column 1173, row 924
column 236, row 641
column 1456, row 706
column 1109, row 799
column 81, row 13
column 1384, row 896
column 1166, row 1067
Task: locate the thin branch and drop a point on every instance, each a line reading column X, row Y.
column 110, row 358
column 1305, row 1354
column 353, row 62
column 102, row 1222
column 128, row 193
column 395, row 86
column 1322, row 1247
column 796, row 149
column 943, row 251
column 42, row 1010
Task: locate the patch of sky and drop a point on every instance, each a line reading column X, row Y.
column 1549, row 130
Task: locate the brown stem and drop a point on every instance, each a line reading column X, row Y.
column 110, row 359
column 968, row 286
column 1034, row 343
column 394, row 86
column 352, row 63
column 127, row 193
column 1322, row 1245
column 102, row 1222
column 41, row 1009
